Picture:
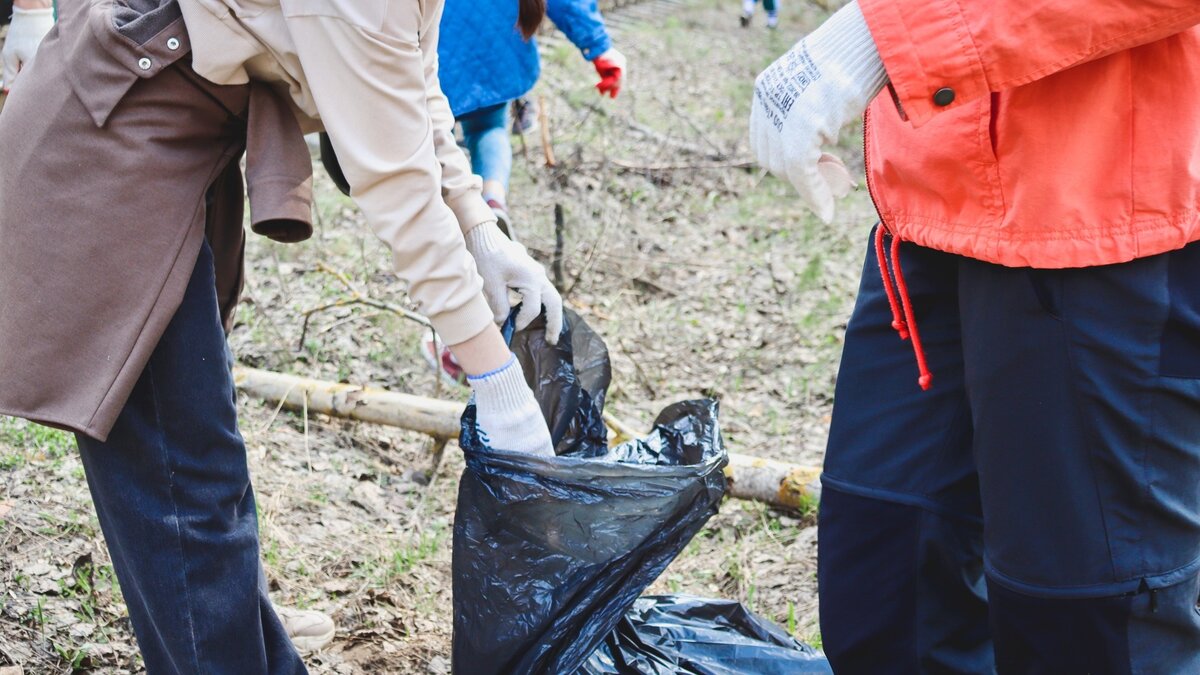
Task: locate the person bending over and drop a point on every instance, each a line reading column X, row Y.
column 121, row 261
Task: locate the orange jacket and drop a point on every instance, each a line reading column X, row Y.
column 1041, row 133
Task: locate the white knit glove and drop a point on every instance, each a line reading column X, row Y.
column 25, row 33
column 507, row 414
column 504, row 264
column 803, row 99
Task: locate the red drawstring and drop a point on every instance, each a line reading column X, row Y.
column 897, row 320
column 905, row 324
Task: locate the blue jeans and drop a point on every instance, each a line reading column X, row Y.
column 1037, row 510
column 486, row 134
column 172, row 491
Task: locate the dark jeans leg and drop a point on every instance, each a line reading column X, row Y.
column 1085, row 389
column 173, row 494
column 900, row 560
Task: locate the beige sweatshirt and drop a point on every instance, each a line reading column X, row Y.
column 366, row 72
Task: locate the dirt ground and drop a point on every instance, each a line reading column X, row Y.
column 705, row 277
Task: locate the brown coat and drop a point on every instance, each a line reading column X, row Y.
column 111, row 144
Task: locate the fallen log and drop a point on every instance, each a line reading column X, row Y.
column 417, row 413
column 769, row 481
column 779, row 484
column 761, row 480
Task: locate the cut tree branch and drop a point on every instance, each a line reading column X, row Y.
column 769, row 481
column 430, row 416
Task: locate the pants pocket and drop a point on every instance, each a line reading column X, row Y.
column 1047, row 285
column 1180, row 356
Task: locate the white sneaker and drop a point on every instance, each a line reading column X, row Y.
column 309, row 630
column 525, row 116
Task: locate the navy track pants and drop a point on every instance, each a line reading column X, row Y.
column 1038, row 509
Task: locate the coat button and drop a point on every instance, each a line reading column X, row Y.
column 944, row 96
column 144, row 63
column 173, row 43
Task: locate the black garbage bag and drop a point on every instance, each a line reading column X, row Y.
column 550, row 553
column 570, row 380
column 684, row 635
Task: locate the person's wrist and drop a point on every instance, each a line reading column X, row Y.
column 597, row 50
column 20, row 6
column 483, row 353
column 496, row 373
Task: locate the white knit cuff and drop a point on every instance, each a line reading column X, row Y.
column 503, row 390
column 849, row 49
column 485, row 238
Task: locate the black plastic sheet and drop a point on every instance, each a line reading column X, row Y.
column 679, row 634
column 550, row 553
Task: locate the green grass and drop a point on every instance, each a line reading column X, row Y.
column 807, row 510
column 27, row 441
column 35, row 438
column 73, row 524
column 11, row 460
column 405, row 558
column 400, row 559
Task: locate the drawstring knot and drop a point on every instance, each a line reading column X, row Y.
column 904, row 322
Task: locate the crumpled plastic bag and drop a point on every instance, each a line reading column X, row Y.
column 680, row 634
column 570, row 381
column 550, row 553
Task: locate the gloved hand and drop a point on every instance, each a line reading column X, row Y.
column 803, row 99
column 25, row 33
column 505, row 264
column 507, row 414
column 611, row 67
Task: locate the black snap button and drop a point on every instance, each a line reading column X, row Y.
column 944, row 96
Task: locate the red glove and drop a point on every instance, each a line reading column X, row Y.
column 611, row 67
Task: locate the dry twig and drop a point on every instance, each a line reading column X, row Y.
column 744, row 164
column 557, row 260
column 357, row 297
column 544, row 122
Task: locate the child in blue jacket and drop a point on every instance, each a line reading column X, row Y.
column 485, row 64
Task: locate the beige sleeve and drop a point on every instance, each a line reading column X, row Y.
column 371, row 93
column 461, row 188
